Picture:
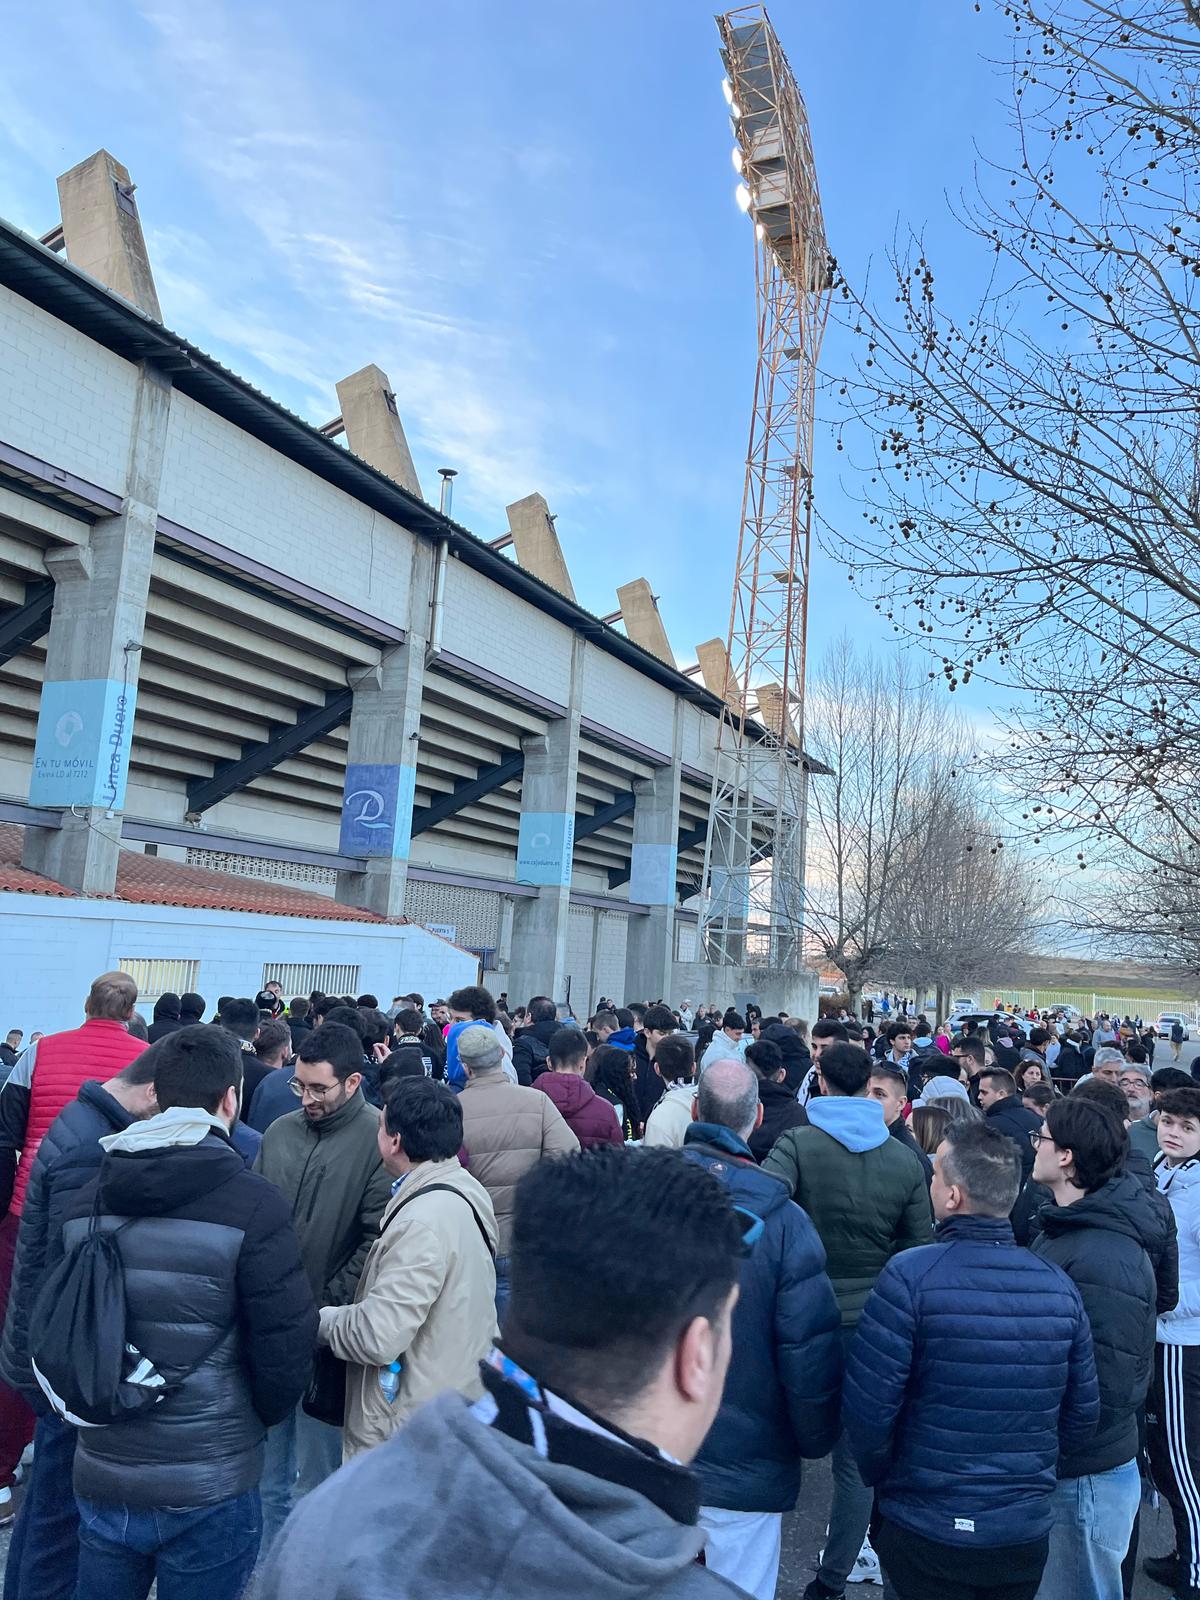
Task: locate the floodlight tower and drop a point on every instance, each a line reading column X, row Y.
column 754, row 855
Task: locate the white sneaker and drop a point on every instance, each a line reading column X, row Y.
column 866, row 1566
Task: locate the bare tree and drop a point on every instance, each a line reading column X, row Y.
column 973, row 908
column 1031, row 464
column 889, row 743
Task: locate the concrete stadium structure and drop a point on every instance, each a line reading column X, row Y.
column 251, row 650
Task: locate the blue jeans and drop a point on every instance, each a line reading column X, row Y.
column 301, row 1453
column 43, row 1558
column 204, row 1553
column 503, row 1288
column 1093, row 1521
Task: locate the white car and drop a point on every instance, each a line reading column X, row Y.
column 1167, row 1021
column 954, row 1023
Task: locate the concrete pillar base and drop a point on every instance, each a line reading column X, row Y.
column 82, row 854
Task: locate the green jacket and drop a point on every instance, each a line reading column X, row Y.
column 1143, row 1136
column 865, row 1204
column 334, row 1179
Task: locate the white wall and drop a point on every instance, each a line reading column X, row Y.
column 486, row 624
column 64, row 398
column 623, row 699
column 222, row 482
column 51, row 949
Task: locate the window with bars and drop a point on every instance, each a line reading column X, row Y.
column 154, row 977
column 300, row 978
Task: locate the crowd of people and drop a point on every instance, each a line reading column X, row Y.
column 319, row 1296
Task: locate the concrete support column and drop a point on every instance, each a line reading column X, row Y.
column 381, row 764
column 89, row 693
column 538, row 964
column 650, row 943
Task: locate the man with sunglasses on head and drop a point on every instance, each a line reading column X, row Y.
column 325, row 1158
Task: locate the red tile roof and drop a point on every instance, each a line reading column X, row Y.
column 13, row 876
column 155, row 881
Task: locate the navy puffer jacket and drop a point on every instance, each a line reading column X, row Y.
column 971, row 1368
column 781, row 1401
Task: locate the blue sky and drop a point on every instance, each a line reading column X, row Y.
column 523, row 213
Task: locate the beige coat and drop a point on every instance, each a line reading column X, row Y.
column 671, row 1118
column 507, row 1129
column 426, row 1298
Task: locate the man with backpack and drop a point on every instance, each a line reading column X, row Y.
column 218, row 1323
column 47, row 1075
column 44, row 1554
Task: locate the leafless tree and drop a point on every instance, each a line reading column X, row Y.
column 890, row 744
column 1030, row 453
column 974, row 908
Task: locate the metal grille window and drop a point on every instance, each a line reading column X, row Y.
column 300, row 978
column 155, row 978
column 261, row 867
column 474, row 914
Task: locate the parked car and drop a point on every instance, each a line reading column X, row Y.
column 954, row 1023
column 1167, row 1021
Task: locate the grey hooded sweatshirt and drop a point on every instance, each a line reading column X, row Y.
column 450, row 1507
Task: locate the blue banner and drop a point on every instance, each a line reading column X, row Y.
column 377, row 810
column 544, row 848
column 652, row 874
column 84, row 731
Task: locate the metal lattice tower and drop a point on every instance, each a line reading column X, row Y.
column 752, row 908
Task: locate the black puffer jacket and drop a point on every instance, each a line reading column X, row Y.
column 531, row 1050
column 68, row 1159
column 1010, row 1116
column 781, row 1111
column 1103, row 1243
column 212, row 1255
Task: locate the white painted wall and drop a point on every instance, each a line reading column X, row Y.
column 222, row 482
column 64, row 398
column 487, row 625
column 620, row 698
column 51, row 949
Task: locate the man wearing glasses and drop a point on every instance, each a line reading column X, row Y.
column 1134, row 1084
column 325, row 1158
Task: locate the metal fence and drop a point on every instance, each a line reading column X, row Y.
column 1121, row 1005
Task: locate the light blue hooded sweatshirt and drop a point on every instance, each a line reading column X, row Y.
column 854, row 1121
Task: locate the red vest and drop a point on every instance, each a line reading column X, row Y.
column 64, row 1063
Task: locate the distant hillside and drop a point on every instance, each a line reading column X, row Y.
column 1102, row 977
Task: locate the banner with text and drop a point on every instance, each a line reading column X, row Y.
column 81, row 757
column 544, row 848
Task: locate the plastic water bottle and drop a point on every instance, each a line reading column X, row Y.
column 389, row 1382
